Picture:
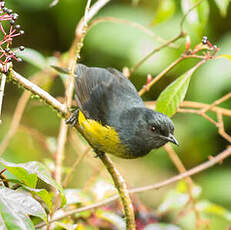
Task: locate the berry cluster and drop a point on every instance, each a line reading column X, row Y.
column 6, row 54
column 205, row 41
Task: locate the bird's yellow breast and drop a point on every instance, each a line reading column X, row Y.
column 103, row 138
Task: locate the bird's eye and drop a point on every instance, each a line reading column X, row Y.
column 152, row 128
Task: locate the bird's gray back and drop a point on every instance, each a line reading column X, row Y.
column 103, row 94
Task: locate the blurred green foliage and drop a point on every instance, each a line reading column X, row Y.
column 50, row 31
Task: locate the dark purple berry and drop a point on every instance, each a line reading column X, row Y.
column 19, row 59
column 7, row 50
column 14, row 16
column 12, row 22
column 17, row 27
column 204, row 40
column 9, row 59
column 9, row 11
column 21, row 32
column 2, row 4
column 4, row 9
column 21, row 48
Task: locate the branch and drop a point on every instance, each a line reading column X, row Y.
column 179, row 165
column 18, row 114
column 121, row 186
column 133, row 24
column 160, row 75
column 187, row 13
column 70, row 173
column 139, row 63
column 181, row 35
column 208, row 164
column 2, row 87
column 42, row 94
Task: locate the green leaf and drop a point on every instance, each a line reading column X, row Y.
column 173, row 95
column 33, row 57
column 30, row 171
column 112, row 218
column 222, row 6
column 165, row 10
column 198, row 17
column 43, row 194
column 18, row 170
column 211, row 208
column 15, row 206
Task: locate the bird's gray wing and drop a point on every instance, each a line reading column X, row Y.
column 102, row 94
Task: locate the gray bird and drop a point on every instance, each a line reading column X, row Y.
column 112, row 116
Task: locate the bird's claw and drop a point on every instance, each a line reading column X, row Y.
column 73, row 119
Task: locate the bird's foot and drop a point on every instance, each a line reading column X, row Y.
column 99, row 154
column 73, row 119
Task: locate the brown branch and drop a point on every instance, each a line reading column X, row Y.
column 121, row 186
column 160, row 75
column 74, row 166
column 221, row 129
column 117, row 178
column 92, row 179
column 18, row 114
column 69, row 86
column 180, row 35
column 195, row 105
column 2, row 87
column 179, row 165
column 145, row 58
column 208, row 164
column 133, row 24
column 45, row 96
column 217, row 102
column 62, row 137
column 199, row 105
column 200, row 108
column 187, row 13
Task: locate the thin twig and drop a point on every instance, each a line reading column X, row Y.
column 2, row 87
column 117, row 178
column 199, row 105
column 179, row 165
column 18, row 114
column 160, row 75
column 139, row 63
column 180, row 35
column 74, row 166
column 215, row 160
column 121, row 186
column 45, row 96
column 62, row 137
column 195, row 105
column 133, row 24
column 221, row 129
column 217, row 102
column 186, row 14
column 69, row 86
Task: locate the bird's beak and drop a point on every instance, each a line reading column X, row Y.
column 172, row 139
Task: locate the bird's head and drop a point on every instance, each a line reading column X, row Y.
column 148, row 130
column 157, row 127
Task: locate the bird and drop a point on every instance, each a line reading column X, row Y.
column 112, row 116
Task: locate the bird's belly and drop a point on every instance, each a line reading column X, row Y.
column 102, row 138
